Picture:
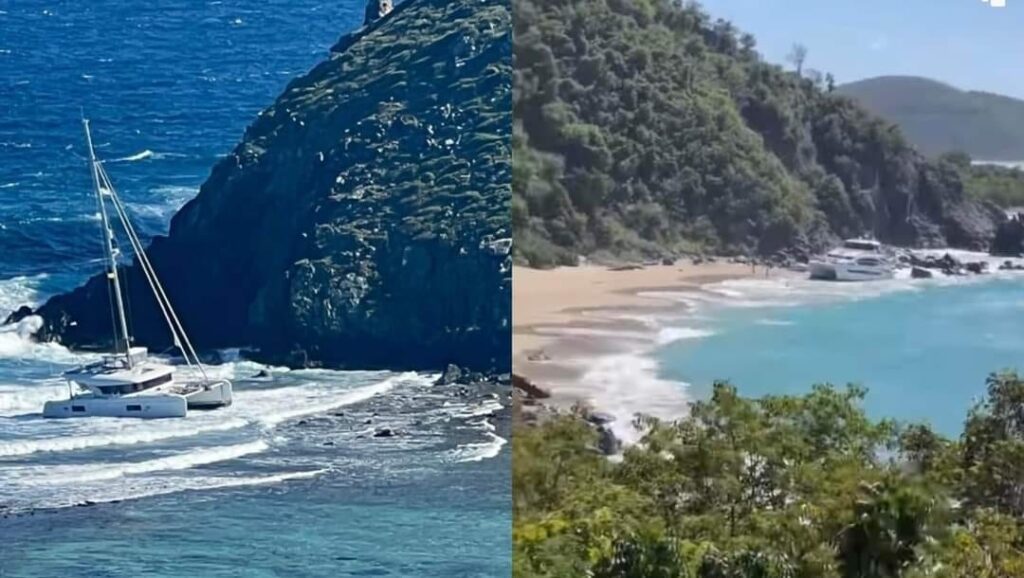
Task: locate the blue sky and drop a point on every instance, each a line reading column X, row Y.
column 965, row 43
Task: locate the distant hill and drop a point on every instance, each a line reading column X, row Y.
column 648, row 127
column 939, row 118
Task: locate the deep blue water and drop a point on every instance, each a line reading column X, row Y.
column 923, row 349
column 287, row 482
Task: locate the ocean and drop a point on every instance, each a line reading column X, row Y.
column 922, row 348
column 290, row 480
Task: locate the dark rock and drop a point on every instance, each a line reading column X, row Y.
column 328, row 443
column 262, row 374
column 1009, row 238
column 375, row 10
column 538, row 356
column 976, row 267
column 362, row 221
column 668, row 261
column 600, row 418
column 920, row 273
column 452, row 374
column 384, row 433
column 21, row 313
column 529, row 389
column 607, row 442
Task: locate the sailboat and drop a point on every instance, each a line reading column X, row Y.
column 128, row 382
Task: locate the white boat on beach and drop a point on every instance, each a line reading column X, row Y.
column 127, row 382
column 855, row 260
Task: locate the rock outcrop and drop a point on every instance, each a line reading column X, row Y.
column 1009, row 238
column 363, row 219
column 375, row 10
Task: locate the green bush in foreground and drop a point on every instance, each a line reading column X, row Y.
column 778, row 487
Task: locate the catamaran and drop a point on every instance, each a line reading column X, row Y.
column 128, row 382
column 856, row 260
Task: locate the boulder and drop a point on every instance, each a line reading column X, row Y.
column 452, row 374
column 1009, row 238
column 976, row 267
column 920, row 273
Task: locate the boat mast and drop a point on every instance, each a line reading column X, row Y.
column 121, row 320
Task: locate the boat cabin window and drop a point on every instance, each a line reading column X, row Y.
column 134, row 408
column 133, row 387
column 78, row 408
column 861, row 245
column 868, row 262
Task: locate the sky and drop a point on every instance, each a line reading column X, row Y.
column 966, row 43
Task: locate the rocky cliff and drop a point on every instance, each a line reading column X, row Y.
column 652, row 128
column 363, row 219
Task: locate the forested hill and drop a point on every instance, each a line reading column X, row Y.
column 643, row 127
column 939, row 118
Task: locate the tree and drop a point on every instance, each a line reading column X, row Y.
column 797, row 57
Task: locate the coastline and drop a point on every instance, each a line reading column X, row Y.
column 583, row 333
column 588, row 334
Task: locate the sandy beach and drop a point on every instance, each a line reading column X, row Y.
column 584, row 333
column 568, row 296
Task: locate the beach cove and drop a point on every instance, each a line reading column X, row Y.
column 652, row 340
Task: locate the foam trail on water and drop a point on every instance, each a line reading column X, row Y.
column 141, row 433
column 478, row 452
column 135, row 157
column 94, row 473
column 320, row 403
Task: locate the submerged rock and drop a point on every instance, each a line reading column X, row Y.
column 362, row 221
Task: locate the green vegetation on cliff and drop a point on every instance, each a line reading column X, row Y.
column 363, row 219
column 939, row 118
column 644, row 127
column 780, row 487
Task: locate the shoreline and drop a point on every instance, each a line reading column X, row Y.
column 587, row 334
column 584, row 334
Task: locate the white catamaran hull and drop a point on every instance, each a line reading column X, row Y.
column 140, row 406
column 210, row 396
column 848, row 272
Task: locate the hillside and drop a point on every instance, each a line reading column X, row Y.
column 939, row 118
column 363, row 219
column 643, row 127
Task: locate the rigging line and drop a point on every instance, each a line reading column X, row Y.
column 137, row 248
column 154, row 280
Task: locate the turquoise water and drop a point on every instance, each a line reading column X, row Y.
column 923, row 350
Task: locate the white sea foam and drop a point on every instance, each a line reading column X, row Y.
column 628, row 384
column 113, row 432
column 668, row 335
column 18, row 291
column 316, row 401
column 150, row 486
column 79, row 474
column 145, row 154
column 479, row 451
column 20, row 400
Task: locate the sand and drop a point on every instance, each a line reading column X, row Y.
column 567, row 296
